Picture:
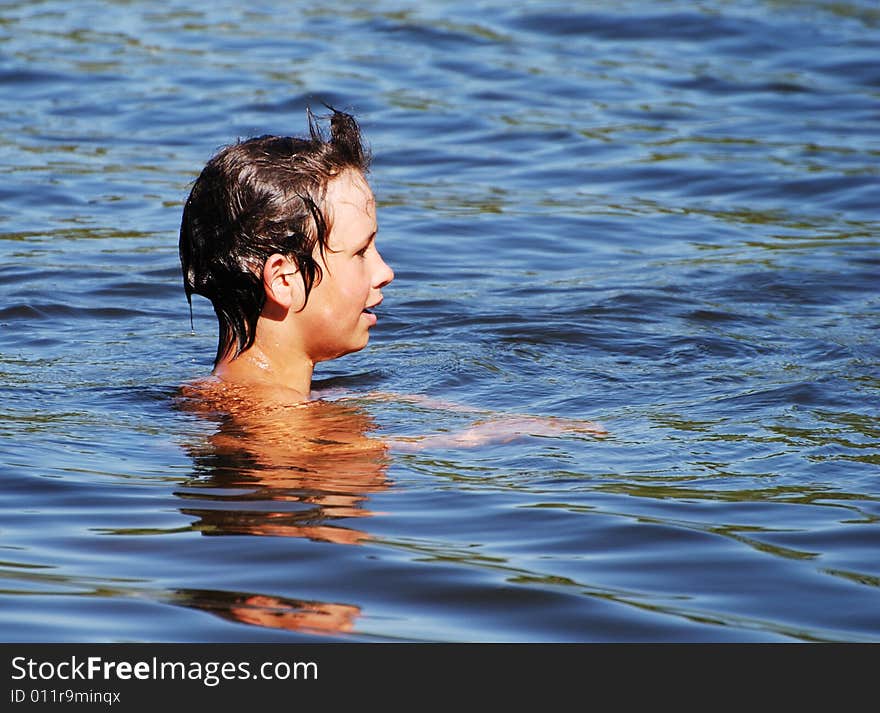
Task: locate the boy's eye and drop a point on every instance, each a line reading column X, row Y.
column 363, row 251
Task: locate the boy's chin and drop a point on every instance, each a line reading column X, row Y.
column 347, row 350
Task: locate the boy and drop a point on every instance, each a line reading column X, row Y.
column 280, row 234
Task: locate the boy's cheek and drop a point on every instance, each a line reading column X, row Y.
column 350, row 295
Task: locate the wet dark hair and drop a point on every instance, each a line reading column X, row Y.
column 253, row 199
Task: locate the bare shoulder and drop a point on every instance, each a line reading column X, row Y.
column 214, row 394
column 279, row 422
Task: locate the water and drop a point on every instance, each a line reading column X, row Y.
column 657, row 215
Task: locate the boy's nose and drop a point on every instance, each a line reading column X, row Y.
column 384, row 274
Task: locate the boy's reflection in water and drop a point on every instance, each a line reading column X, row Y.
column 281, row 469
column 308, row 617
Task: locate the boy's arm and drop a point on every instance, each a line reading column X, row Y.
column 491, row 427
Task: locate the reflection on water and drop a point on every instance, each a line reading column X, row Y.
column 279, row 470
column 271, row 612
column 292, row 470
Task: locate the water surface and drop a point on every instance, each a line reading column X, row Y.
column 657, row 215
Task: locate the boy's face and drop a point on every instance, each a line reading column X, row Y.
column 336, row 319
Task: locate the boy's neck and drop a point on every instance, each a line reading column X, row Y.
column 259, row 365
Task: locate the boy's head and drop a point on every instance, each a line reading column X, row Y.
column 254, row 199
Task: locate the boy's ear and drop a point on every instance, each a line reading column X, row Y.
column 282, row 282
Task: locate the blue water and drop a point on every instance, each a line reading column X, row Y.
column 662, row 216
